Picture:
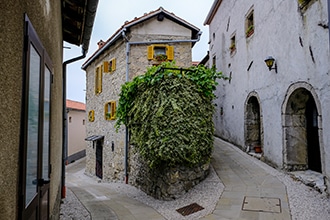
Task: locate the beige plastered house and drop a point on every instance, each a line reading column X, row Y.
column 76, row 116
column 31, row 103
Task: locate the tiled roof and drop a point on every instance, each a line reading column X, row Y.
column 75, row 105
column 137, row 20
column 195, row 63
column 212, row 12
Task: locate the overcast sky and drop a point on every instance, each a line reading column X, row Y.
column 111, row 15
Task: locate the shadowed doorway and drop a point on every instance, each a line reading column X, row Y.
column 252, row 123
column 301, row 130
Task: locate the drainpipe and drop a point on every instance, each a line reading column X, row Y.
column 65, row 122
column 88, row 27
column 329, row 20
column 128, row 48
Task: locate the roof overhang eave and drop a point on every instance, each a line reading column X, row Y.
column 106, row 46
column 213, row 10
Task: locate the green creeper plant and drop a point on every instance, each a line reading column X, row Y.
column 169, row 112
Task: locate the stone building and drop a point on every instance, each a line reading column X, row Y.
column 31, row 102
column 76, row 112
column 136, row 45
column 283, row 108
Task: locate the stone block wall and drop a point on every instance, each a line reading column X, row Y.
column 113, row 160
column 165, row 183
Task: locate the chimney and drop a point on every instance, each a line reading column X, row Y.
column 100, row 43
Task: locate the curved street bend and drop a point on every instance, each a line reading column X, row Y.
column 242, row 187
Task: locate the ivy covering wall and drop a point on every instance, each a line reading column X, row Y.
column 169, row 112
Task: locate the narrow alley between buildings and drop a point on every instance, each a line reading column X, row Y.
column 239, row 187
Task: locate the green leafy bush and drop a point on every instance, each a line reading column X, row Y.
column 169, row 114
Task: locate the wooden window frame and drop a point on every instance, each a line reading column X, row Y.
column 40, row 98
column 169, row 52
column 232, row 46
column 110, row 110
column 91, row 116
column 98, row 79
column 109, row 66
column 249, row 23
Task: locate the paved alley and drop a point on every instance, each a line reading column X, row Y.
column 244, row 188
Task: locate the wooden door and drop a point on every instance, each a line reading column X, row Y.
column 99, row 164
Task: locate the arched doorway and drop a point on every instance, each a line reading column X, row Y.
column 312, row 129
column 253, row 128
column 301, row 132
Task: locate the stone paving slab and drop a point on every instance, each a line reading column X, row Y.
column 243, row 177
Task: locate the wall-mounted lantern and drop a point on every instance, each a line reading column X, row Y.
column 270, row 61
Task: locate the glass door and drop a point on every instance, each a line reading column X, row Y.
column 35, row 129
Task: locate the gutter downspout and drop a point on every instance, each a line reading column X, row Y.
column 65, row 122
column 88, row 27
column 329, row 20
column 128, row 48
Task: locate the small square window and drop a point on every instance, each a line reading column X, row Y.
column 109, row 67
column 91, row 116
column 160, row 52
column 110, row 110
column 232, row 46
column 249, row 24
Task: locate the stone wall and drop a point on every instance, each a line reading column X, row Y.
column 113, row 160
column 295, row 38
column 113, row 157
column 165, row 183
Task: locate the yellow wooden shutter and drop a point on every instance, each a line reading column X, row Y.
column 113, row 110
column 106, row 66
column 170, row 52
column 99, row 80
column 91, row 116
column 96, row 80
column 150, row 54
column 113, row 66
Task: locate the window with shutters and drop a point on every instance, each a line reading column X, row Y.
column 304, row 4
column 160, row 52
column 98, row 79
column 109, row 66
column 249, row 23
column 91, row 116
column 110, row 110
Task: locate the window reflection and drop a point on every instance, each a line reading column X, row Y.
column 33, row 126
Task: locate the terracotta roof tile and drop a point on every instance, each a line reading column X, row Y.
column 75, row 105
column 128, row 24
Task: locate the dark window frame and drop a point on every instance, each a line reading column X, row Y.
column 31, row 39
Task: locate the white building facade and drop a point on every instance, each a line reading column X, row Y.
column 284, row 110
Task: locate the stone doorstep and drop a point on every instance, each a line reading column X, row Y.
column 310, row 178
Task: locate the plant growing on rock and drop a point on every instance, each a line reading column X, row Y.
column 169, row 114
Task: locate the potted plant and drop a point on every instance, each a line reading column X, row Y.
column 249, row 31
column 161, row 57
column 257, row 148
column 232, row 48
column 107, row 115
